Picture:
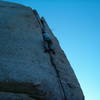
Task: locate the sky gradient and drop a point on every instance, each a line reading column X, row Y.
column 76, row 24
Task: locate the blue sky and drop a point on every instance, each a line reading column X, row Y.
column 76, row 24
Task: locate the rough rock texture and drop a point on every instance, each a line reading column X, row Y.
column 26, row 71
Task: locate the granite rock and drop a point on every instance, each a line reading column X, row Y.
column 26, row 71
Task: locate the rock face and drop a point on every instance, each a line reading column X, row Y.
column 26, row 71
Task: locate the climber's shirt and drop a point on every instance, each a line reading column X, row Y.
column 47, row 37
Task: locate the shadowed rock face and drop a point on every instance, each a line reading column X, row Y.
column 26, row 71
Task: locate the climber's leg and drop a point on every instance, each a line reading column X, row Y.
column 50, row 45
column 46, row 48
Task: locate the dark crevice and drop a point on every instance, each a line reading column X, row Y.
column 58, row 76
column 51, row 54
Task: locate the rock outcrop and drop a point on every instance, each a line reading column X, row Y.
column 26, row 71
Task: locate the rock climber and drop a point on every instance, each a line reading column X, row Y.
column 48, row 43
column 47, row 40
